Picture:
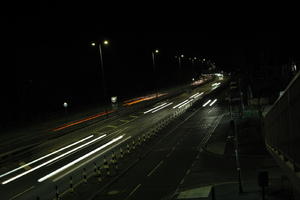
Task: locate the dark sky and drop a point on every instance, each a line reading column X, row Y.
column 54, row 61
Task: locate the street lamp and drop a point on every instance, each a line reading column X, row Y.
column 156, row 51
column 105, row 42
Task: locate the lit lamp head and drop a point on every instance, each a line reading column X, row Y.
column 105, row 42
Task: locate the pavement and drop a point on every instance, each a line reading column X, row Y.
column 218, row 178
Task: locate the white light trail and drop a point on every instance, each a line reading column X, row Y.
column 206, row 103
column 212, row 103
column 52, row 160
column 154, row 108
column 198, row 95
column 43, row 157
column 180, row 103
column 162, row 107
column 185, row 103
column 79, row 159
column 193, row 96
column 215, row 84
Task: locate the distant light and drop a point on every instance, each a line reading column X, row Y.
column 203, row 59
column 93, row 44
column 105, row 42
column 195, row 58
column 114, row 99
column 65, row 104
column 156, row 51
column 193, row 79
column 182, row 55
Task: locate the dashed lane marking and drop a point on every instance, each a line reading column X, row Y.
column 133, row 191
column 155, row 168
column 21, row 193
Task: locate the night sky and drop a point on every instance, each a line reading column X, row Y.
column 52, row 64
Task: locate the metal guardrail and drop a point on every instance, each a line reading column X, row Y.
column 282, row 126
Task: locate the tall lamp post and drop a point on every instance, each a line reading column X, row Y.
column 105, row 42
column 156, row 51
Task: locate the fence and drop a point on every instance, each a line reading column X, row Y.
column 282, row 127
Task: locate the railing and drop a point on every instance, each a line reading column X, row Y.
column 282, row 128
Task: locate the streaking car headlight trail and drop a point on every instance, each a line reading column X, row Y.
column 43, row 157
column 185, row 103
column 206, row 103
column 162, row 107
column 180, row 103
column 79, row 159
column 190, row 99
column 213, row 102
column 154, row 108
column 52, row 160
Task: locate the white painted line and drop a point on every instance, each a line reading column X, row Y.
column 21, row 193
column 133, row 191
column 155, row 168
column 41, row 158
column 162, row 107
column 79, row 159
column 182, row 181
column 188, row 171
column 154, row 108
column 52, row 160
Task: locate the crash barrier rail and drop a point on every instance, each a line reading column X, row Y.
column 281, row 125
column 103, row 165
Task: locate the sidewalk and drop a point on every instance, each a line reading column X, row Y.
column 214, row 173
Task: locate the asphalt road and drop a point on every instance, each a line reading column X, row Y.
column 179, row 148
column 163, row 170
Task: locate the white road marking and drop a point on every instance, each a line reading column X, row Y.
column 155, row 168
column 133, row 191
column 16, row 196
